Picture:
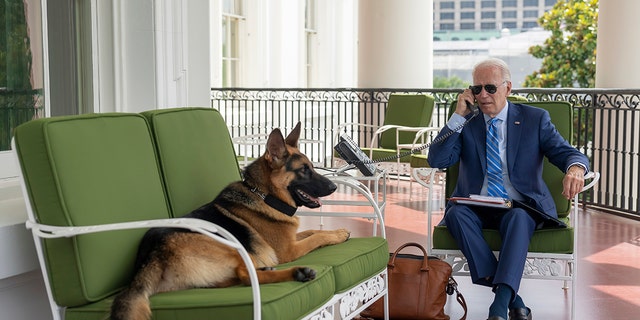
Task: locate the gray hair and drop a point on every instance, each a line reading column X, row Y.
column 496, row 63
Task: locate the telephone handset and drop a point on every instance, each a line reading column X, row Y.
column 473, row 108
column 351, row 153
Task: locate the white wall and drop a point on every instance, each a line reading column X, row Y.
column 273, row 44
column 152, row 54
column 336, row 56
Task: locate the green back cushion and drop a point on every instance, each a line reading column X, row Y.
column 86, row 170
column 196, row 155
column 411, row 110
column 562, row 117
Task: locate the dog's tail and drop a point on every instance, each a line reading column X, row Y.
column 133, row 302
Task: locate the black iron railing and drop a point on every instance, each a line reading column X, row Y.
column 606, row 125
column 16, row 107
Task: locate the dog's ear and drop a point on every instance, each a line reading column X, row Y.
column 276, row 150
column 293, row 136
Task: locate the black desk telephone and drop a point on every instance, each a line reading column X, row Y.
column 354, row 156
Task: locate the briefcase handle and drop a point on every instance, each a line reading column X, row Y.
column 425, row 264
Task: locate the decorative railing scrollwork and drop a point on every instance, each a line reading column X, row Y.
column 606, row 125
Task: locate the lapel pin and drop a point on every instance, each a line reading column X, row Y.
column 517, row 123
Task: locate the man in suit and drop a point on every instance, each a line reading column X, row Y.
column 500, row 153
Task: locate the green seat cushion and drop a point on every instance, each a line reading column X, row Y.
column 196, row 154
column 353, row 261
column 88, row 170
column 419, row 161
column 283, row 300
column 545, row 240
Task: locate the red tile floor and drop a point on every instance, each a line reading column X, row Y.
column 608, row 285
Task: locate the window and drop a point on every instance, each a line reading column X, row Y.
column 488, row 15
column 530, row 14
column 509, row 14
column 23, row 87
column 529, row 24
column 446, row 5
column 467, row 4
column 231, row 19
column 310, row 33
column 446, row 15
column 21, row 75
column 488, row 4
column 550, row 3
column 509, row 3
column 530, row 3
column 488, row 26
column 467, row 15
column 446, row 26
column 467, row 26
column 509, row 25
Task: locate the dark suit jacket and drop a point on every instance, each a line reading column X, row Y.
column 530, row 137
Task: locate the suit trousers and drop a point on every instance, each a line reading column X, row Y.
column 516, row 227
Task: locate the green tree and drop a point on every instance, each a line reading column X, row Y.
column 569, row 54
column 451, row 82
column 16, row 94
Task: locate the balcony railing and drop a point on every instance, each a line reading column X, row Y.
column 16, row 107
column 606, row 126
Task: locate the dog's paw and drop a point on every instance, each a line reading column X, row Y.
column 304, row 274
column 344, row 234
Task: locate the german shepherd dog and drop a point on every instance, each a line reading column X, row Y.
column 257, row 211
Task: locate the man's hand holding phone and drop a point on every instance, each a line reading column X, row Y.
column 465, row 103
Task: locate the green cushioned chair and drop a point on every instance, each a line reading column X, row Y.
column 95, row 183
column 404, row 116
column 552, row 252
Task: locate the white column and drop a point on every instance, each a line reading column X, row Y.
column 395, row 45
column 617, row 66
column 617, row 62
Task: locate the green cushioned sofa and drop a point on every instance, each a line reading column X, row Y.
column 95, row 183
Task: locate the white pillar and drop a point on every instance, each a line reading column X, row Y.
column 617, row 62
column 617, row 66
column 395, row 47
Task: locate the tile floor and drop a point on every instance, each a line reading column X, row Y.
column 608, row 285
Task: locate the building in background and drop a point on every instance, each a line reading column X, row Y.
column 468, row 31
column 456, row 58
column 487, row 15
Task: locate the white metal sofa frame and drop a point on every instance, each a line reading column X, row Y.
column 345, row 305
column 349, row 303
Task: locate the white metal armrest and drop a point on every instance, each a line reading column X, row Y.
column 594, row 176
column 201, row 226
column 418, row 140
column 362, row 189
column 399, row 129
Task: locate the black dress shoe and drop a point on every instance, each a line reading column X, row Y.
column 496, row 318
column 520, row 314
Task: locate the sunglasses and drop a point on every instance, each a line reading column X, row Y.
column 489, row 88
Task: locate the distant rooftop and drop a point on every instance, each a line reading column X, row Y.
column 475, row 35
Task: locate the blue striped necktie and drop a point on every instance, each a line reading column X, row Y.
column 495, row 187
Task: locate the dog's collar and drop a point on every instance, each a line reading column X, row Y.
column 273, row 202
